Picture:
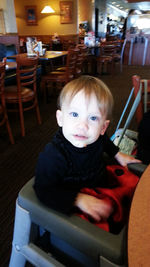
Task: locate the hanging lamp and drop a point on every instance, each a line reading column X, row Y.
column 47, row 9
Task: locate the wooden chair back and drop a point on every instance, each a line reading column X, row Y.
column 107, row 49
column 3, row 110
column 71, row 63
column 81, row 58
column 25, row 90
column 26, row 71
column 68, row 44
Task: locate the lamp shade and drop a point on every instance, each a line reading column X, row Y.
column 47, row 9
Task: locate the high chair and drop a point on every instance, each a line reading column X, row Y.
column 73, row 241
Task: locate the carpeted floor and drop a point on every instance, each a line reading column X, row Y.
column 17, row 162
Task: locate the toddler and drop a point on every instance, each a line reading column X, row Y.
column 74, row 159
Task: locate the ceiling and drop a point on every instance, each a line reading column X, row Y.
column 125, row 6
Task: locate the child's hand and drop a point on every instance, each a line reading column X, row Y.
column 124, row 159
column 98, row 209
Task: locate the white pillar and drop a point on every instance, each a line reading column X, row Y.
column 9, row 15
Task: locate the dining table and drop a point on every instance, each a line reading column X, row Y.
column 48, row 58
column 53, row 54
column 139, row 230
column 11, row 65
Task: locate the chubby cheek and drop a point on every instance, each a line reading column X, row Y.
column 94, row 132
column 68, row 125
column 97, row 130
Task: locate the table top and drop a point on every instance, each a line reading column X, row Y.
column 139, row 223
column 48, row 55
column 53, row 54
column 11, row 65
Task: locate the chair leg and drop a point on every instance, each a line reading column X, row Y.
column 112, row 66
column 8, row 126
column 99, row 67
column 43, row 89
column 21, row 237
column 22, row 247
column 37, row 111
column 21, row 119
column 9, row 132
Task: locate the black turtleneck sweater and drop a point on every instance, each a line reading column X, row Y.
column 62, row 170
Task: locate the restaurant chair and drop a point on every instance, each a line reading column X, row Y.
column 67, row 44
column 23, row 96
column 3, row 110
column 118, row 56
column 105, row 60
column 144, row 104
column 111, row 37
column 111, row 55
column 62, row 75
column 80, row 52
column 82, row 60
column 72, row 240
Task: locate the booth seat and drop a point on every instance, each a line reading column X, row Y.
column 5, row 51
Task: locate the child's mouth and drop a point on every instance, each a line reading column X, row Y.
column 80, row 137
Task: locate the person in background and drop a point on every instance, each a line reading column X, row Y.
column 131, row 12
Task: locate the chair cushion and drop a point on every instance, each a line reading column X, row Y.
column 57, row 76
column 11, row 93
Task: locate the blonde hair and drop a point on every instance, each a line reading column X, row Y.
column 89, row 85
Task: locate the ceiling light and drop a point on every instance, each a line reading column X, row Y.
column 47, row 9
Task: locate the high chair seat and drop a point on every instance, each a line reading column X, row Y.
column 91, row 245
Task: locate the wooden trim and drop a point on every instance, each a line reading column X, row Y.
column 10, row 39
column 48, row 38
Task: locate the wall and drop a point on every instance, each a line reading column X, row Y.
column 48, row 24
column 102, row 17
column 85, row 10
column 9, row 15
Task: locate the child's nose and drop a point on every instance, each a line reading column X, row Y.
column 83, row 125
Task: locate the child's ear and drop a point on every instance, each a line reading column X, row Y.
column 59, row 117
column 105, row 126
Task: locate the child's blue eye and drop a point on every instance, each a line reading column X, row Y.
column 93, row 118
column 74, row 114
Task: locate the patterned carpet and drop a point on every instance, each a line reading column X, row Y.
column 17, row 162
